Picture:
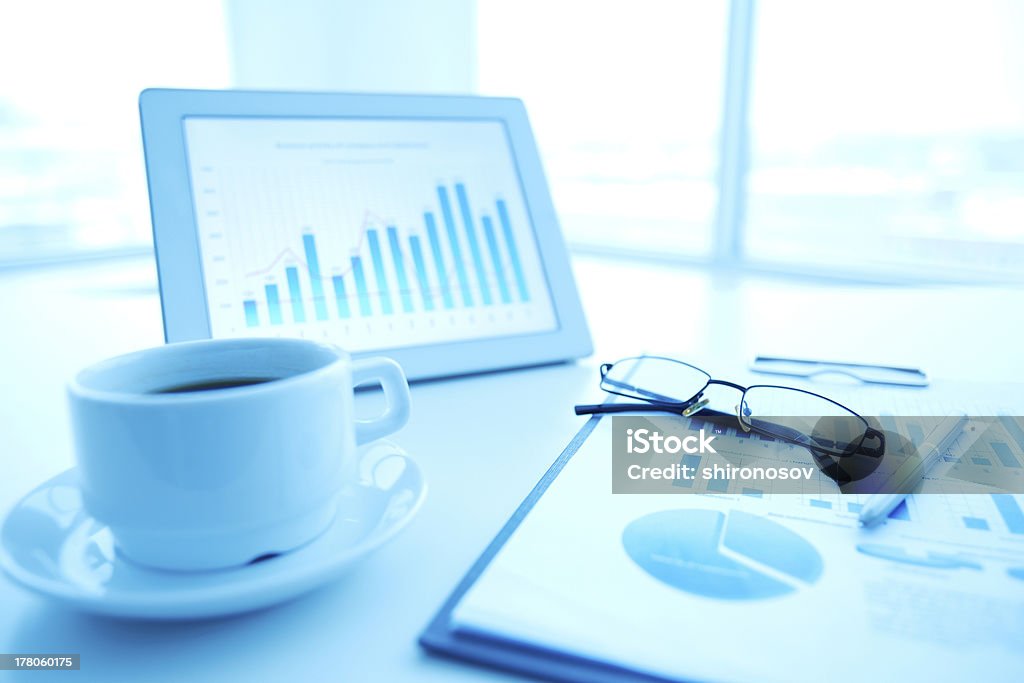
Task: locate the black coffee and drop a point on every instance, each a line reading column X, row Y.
column 214, row 385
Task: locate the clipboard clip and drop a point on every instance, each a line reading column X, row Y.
column 866, row 373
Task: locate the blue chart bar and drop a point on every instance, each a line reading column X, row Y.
column 295, row 293
column 1010, row 510
column 474, row 246
column 421, row 272
column 888, row 423
column 340, row 295
column 403, row 281
column 916, row 434
column 691, row 462
column 315, row 281
column 1004, row 454
column 718, row 484
column 976, row 523
column 273, row 304
column 854, row 507
column 364, row 295
column 754, row 493
column 378, row 271
column 252, row 318
column 1013, row 428
column 513, row 252
column 815, row 502
column 442, row 271
column 453, row 240
column 499, row 272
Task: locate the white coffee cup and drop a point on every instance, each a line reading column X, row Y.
column 216, row 477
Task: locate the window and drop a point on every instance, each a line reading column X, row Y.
column 888, row 136
column 625, row 101
column 882, row 138
column 71, row 169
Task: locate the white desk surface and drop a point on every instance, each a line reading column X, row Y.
column 483, row 443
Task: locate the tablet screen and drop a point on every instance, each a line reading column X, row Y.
column 371, row 233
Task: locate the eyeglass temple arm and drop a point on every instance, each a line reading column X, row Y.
column 674, row 408
column 798, row 438
column 862, row 448
column 876, row 451
column 601, row 408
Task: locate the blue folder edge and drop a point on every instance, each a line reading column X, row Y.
column 440, row 637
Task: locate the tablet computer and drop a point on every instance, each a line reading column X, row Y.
column 420, row 227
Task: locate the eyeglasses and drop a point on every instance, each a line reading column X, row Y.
column 843, row 444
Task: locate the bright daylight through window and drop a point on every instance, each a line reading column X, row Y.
column 71, row 169
column 882, row 139
column 627, row 119
column 888, row 135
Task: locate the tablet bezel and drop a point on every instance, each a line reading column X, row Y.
column 176, row 238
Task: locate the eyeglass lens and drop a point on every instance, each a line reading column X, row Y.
column 654, row 379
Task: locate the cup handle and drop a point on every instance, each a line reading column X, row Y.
column 396, row 391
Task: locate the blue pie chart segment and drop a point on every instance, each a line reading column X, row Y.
column 723, row 555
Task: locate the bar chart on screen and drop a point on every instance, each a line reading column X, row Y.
column 375, row 234
column 404, row 273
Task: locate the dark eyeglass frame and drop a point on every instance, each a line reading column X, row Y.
column 819, row 449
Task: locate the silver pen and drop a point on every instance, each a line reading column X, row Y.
column 906, row 478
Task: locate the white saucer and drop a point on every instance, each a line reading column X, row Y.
column 50, row 545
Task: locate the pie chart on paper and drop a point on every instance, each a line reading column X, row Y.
column 723, row 555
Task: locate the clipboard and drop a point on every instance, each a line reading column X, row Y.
column 517, row 651
column 440, row 638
